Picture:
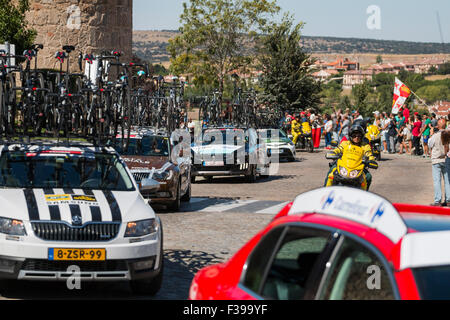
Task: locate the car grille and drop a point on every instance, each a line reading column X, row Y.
column 62, row 266
column 139, row 176
column 63, row 232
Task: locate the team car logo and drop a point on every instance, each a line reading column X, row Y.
column 58, row 197
column 68, row 198
column 378, row 213
column 84, row 198
column 328, row 201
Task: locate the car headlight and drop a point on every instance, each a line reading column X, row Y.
column 165, row 175
column 343, row 171
column 12, row 227
column 141, row 228
column 354, row 173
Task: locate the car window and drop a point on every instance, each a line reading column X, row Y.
column 292, row 267
column 433, row 282
column 257, row 262
column 357, row 274
column 146, row 146
column 98, row 171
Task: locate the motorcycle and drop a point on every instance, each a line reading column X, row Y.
column 349, row 168
column 305, row 141
column 374, row 136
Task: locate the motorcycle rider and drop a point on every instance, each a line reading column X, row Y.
column 295, row 129
column 357, row 137
column 306, row 126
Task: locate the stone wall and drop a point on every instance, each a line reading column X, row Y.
column 90, row 25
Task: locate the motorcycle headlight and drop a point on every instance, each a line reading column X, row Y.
column 12, row 227
column 141, row 228
column 343, row 171
column 165, row 175
column 354, row 173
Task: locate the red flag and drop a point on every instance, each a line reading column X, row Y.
column 401, row 93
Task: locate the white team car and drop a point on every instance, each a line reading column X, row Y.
column 62, row 207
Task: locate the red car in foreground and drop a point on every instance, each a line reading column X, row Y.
column 338, row 244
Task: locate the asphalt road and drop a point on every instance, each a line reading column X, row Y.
column 226, row 213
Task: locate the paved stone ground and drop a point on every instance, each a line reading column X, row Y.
column 222, row 218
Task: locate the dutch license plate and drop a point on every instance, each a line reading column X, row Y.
column 275, row 151
column 60, row 254
column 214, row 164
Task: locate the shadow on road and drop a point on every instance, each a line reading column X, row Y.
column 241, row 180
column 179, row 270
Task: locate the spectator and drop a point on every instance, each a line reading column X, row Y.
column 439, row 166
column 416, row 123
column 384, row 132
column 335, row 133
column 425, row 131
column 446, row 142
column 406, row 139
column 377, row 121
column 328, row 129
column 433, row 121
column 357, row 116
column 345, row 126
column 392, row 133
column 406, row 112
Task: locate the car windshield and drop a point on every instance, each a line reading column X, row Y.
column 95, row 171
column 433, row 282
column 147, row 146
column 273, row 133
column 227, row 136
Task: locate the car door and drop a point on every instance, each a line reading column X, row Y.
column 288, row 263
column 357, row 272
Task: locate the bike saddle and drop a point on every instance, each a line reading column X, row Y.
column 38, row 47
column 29, row 54
column 68, row 49
column 89, row 58
column 60, row 55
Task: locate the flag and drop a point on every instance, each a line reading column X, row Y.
column 401, row 93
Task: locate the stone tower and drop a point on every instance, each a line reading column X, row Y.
column 90, row 25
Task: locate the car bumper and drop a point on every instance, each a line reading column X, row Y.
column 228, row 170
column 128, row 260
column 283, row 152
column 166, row 193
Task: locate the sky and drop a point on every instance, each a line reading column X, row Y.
column 407, row 20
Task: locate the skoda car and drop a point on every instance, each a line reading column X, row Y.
column 76, row 206
column 149, row 155
column 338, row 243
column 229, row 151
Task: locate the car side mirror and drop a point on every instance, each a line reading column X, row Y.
column 149, row 185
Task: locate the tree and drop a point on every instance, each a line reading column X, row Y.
column 13, row 26
column 444, row 69
column 364, row 98
column 379, row 59
column 287, row 77
column 215, row 37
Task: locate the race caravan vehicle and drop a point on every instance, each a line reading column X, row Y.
column 76, row 206
column 229, row 151
column 150, row 155
column 338, row 243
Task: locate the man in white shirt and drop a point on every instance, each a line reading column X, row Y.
column 438, row 165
